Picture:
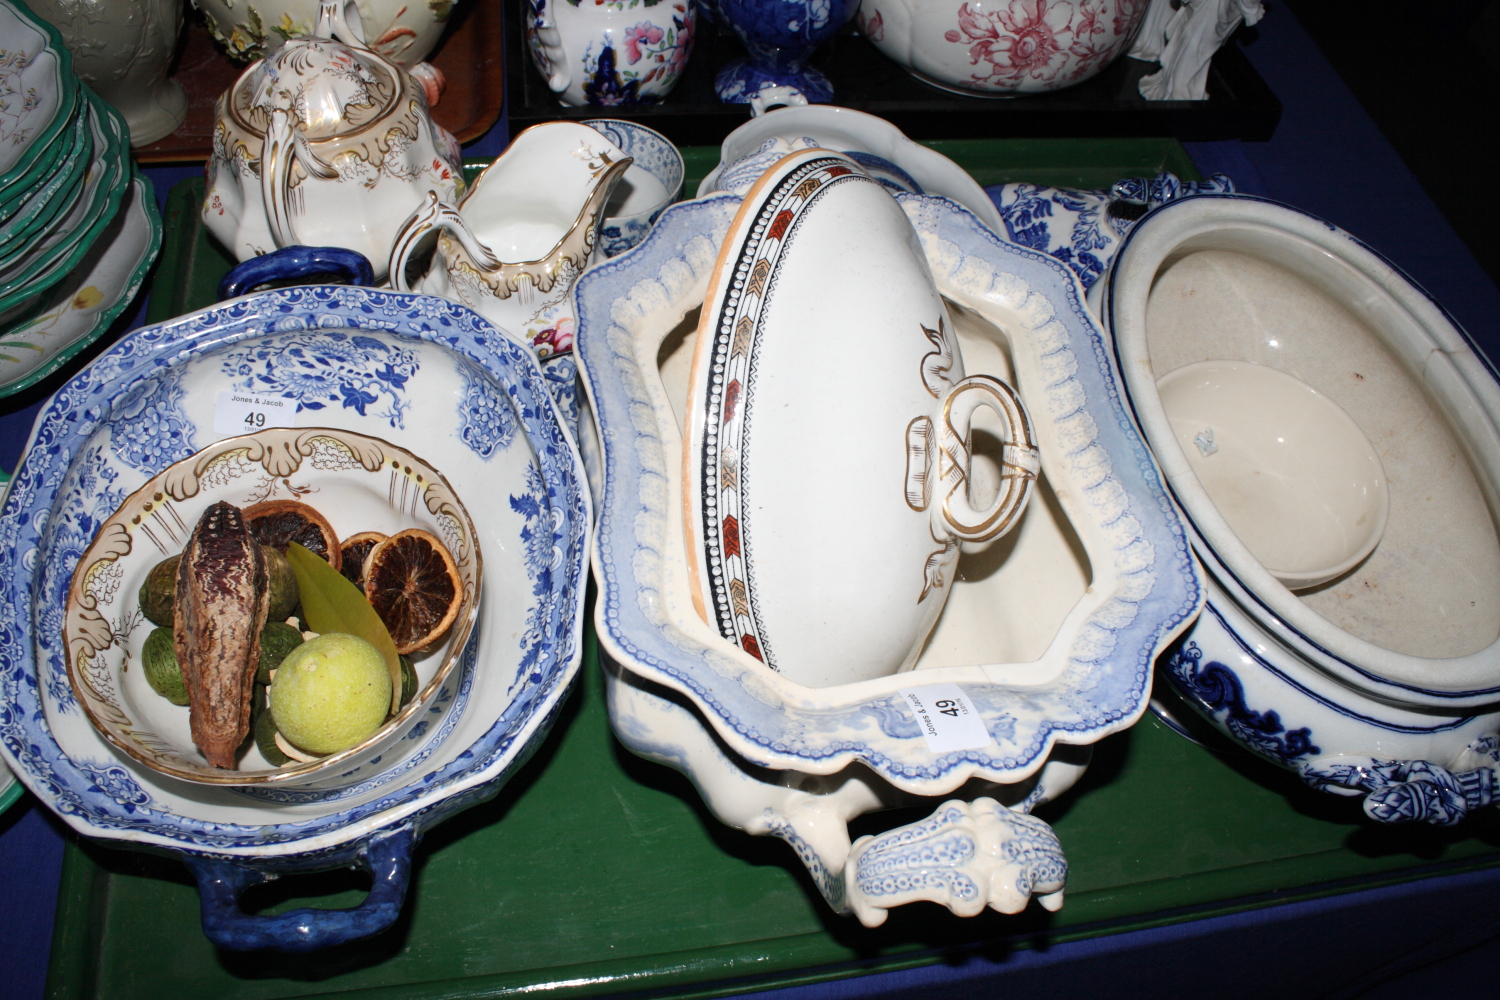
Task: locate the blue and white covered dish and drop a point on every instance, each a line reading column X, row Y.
column 418, row 372
column 1050, row 636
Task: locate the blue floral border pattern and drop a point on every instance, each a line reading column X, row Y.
column 1078, row 227
column 488, row 423
column 1219, row 694
column 90, row 797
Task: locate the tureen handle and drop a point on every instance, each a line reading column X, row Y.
column 340, row 19
column 965, row 856
column 434, row 215
column 387, row 857
column 1019, row 460
column 294, row 265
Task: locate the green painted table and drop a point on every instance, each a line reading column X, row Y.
column 594, row 872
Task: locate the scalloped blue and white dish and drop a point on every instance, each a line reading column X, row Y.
column 410, row 369
column 1054, row 638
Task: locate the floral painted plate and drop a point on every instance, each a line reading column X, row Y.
column 78, row 311
column 418, row 372
column 1055, row 640
column 37, row 71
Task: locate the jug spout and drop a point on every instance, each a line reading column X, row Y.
column 526, row 228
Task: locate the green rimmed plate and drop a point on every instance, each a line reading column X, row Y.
column 50, row 268
column 44, row 160
column 53, row 196
column 42, row 83
column 78, row 310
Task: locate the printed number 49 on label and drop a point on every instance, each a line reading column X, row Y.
column 241, row 412
column 947, row 707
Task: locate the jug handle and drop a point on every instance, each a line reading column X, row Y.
column 1020, row 460
column 548, row 40
column 340, row 19
column 432, row 216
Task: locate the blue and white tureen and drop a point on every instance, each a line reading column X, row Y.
column 425, row 375
column 1385, row 681
column 1048, row 637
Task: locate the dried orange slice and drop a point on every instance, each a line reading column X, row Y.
column 414, row 587
column 353, row 551
column 278, row 523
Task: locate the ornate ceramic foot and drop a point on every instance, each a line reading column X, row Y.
column 965, row 856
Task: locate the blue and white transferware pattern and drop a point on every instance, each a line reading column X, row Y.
column 1350, row 691
column 409, row 369
column 653, row 182
column 1093, row 675
column 1083, row 229
column 780, row 36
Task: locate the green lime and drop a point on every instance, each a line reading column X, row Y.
column 263, row 725
column 158, row 594
column 330, row 693
column 408, row 678
column 276, row 640
column 284, row 596
column 159, row 661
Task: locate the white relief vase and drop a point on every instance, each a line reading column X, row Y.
column 123, row 50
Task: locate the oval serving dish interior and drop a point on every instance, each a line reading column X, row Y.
column 1431, row 588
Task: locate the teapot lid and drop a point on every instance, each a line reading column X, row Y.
column 328, row 87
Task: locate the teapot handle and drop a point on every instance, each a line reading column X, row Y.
column 1019, row 460
column 434, row 215
column 283, row 146
column 276, row 155
column 340, row 19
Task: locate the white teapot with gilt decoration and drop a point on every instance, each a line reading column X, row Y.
column 325, row 143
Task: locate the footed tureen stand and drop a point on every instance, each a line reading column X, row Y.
column 1052, row 635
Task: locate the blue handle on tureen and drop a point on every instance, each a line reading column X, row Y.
column 291, row 263
column 221, row 883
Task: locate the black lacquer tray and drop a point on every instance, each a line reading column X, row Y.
column 1240, row 105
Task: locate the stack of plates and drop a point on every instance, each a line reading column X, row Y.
column 77, row 228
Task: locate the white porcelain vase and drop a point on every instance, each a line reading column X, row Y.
column 123, row 50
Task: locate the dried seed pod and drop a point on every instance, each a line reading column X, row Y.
column 222, row 597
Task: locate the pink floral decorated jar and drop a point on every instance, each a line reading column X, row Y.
column 610, row 52
column 1000, row 47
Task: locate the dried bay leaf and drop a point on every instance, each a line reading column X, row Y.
column 330, row 603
